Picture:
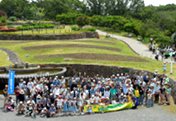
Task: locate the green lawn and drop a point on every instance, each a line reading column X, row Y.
column 152, row 65
column 123, row 33
column 4, row 59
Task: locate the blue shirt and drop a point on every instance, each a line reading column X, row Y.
column 135, row 99
column 55, row 83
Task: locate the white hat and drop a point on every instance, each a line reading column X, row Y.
column 92, row 95
column 24, row 81
column 62, row 76
column 44, row 108
column 157, row 82
column 93, row 80
column 117, row 74
column 51, row 94
column 98, row 81
column 21, row 92
column 156, row 70
column 113, row 75
column 21, row 102
column 28, row 102
column 121, row 74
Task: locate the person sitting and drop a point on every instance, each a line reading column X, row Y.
column 29, row 110
column 39, row 107
column 135, row 102
column 21, row 108
column 52, row 111
column 44, row 112
column 34, row 113
column 9, row 105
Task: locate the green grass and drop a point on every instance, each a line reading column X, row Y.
column 4, row 59
column 123, row 33
column 152, row 65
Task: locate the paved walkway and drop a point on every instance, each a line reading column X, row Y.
column 156, row 113
column 12, row 56
column 138, row 47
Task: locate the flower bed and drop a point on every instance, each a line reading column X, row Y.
column 5, row 29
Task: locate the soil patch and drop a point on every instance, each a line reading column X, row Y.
column 93, row 56
column 70, row 45
column 94, row 41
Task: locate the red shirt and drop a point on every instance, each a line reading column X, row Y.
column 17, row 92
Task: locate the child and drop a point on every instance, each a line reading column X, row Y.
column 44, row 112
column 149, row 99
column 96, row 98
column 136, row 92
column 59, row 104
column 92, row 99
column 69, row 106
column 113, row 101
column 29, row 110
column 8, row 106
column 81, row 104
column 101, row 104
column 34, row 113
column 64, row 103
column 74, row 105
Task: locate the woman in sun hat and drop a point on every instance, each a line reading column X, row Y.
column 21, row 95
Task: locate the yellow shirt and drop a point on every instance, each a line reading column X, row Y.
column 136, row 93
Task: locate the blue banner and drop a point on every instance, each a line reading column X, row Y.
column 11, row 82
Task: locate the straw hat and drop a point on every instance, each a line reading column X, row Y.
column 38, row 96
column 6, row 85
column 21, row 91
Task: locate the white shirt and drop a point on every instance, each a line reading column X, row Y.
column 29, row 85
column 56, row 91
column 92, row 100
column 106, row 94
column 59, row 102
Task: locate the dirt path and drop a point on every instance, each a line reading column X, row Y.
column 70, row 45
column 93, row 56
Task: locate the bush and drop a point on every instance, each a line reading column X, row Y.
column 26, row 25
column 10, row 26
column 89, row 29
column 3, row 19
column 12, row 18
column 82, row 21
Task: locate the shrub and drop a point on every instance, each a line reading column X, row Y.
column 89, row 29
column 10, row 27
column 3, row 19
column 12, row 18
column 26, row 25
column 82, row 20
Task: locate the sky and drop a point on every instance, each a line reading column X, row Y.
column 156, row 2
column 159, row 2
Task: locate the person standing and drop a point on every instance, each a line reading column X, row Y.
column 153, row 48
column 151, row 40
column 5, row 93
column 164, row 67
column 17, row 93
column 29, row 87
column 157, row 54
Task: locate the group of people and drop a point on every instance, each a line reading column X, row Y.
column 50, row 97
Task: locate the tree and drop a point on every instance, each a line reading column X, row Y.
column 38, row 13
column 82, row 20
